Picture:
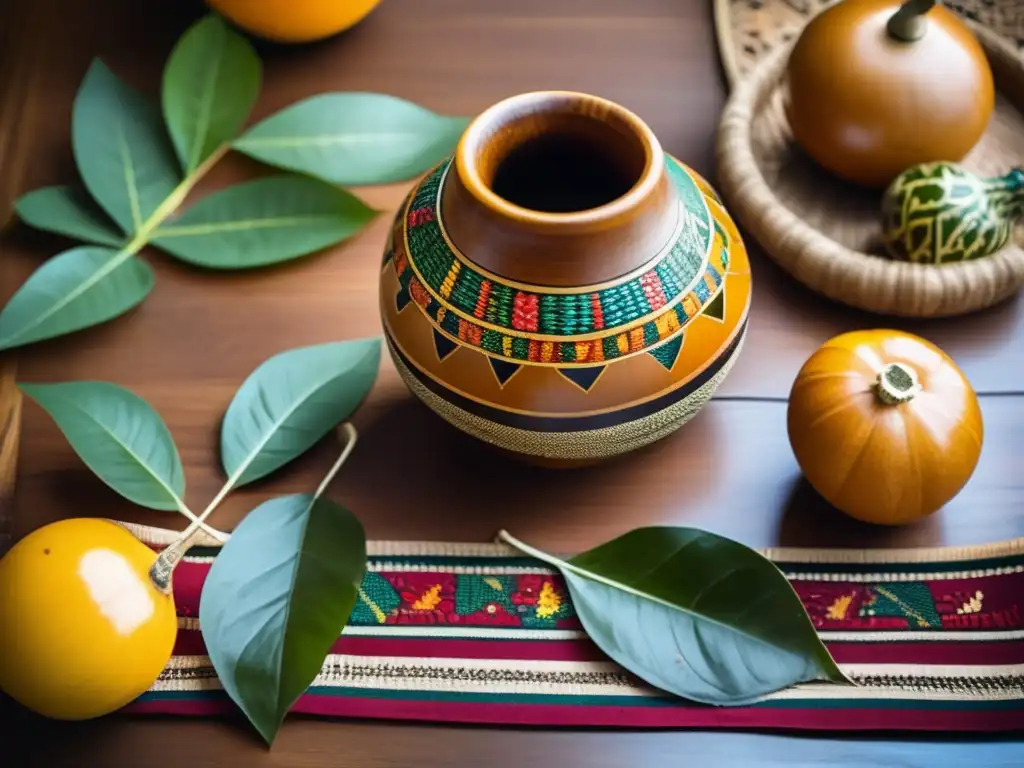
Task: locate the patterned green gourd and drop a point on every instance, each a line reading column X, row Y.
column 937, row 213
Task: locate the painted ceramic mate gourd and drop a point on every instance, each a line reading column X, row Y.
column 561, row 288
column 936, row 213
column 876, row 86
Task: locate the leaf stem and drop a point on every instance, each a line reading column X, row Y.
column 562, row 565
column 508, row 538
column 350, row 442
column 163, row 569
column 171, row 203
column 214, row 532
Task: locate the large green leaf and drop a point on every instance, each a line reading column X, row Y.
column 354, row 138
column 75, row 289
column 121, row 148
column 262, row 222
column 276, row 599
column 68, row 211
column 291, row 401
column 211, row 82
column 119, row 437
column 694, row 614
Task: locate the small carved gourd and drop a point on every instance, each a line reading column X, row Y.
column 884, row 425
column 876, row 86
column 936, row 213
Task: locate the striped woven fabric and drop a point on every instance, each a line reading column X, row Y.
column 474, row 633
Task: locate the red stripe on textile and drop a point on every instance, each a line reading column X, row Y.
column 810, row 719
column 948, row 651
column 190, row 643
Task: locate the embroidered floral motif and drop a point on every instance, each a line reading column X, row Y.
column 548, row 602
column 973, row 604
column 837, row 611
column 908, row 605
column 429, row 600
column 539, row 601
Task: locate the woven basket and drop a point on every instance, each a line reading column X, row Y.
column 826, row 232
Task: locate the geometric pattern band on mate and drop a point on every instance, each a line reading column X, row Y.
column 614, row 343
column 459, row 287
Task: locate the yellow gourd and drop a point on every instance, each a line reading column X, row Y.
column 83, row 629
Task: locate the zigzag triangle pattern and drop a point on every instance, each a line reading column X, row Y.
column 583, row 378
column 715, row 308
column 668, row 353
column 443, row 345
column 503, row 369
column 402, row 298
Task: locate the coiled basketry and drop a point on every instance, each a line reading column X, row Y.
column 826, row 233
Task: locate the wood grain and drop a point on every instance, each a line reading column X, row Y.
column 190, row 345
column 18, row 74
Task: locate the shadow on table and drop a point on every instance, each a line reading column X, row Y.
column 810, row 521
column 414, row 472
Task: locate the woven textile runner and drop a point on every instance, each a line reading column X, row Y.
column 475, row 633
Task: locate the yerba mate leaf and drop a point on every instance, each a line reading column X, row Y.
column 276, row 598
column 694, row 614
column 354, row 139
column 119, row 437
column 210, row 85
column 263, row 222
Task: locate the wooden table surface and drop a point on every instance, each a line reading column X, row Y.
column 188, row 347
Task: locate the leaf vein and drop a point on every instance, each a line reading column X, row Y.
column 324, row 140
column 192, row 230
column 206, row 104
column 82, row 287
column 129, row 177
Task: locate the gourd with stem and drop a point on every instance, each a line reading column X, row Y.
column 882, row 71
column 909, row 23
column 884, row 425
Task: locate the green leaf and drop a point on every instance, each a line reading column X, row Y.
column 262, row 222
column 694, row 614
column 75, row 289
column 276, row 599
column 291, row 401
column 354, row 138
column 121, row 148
column 68, row 211
column 211, row 82
column 119, row 437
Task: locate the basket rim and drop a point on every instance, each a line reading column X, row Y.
column 883, row 284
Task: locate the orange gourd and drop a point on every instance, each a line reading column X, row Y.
column 884, row 425
column 294, row 21
column 876, row 87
